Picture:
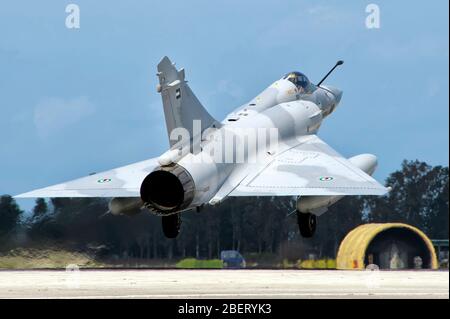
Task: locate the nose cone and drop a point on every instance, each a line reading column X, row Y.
column 337, row 94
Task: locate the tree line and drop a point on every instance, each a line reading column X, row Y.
column 259, row 226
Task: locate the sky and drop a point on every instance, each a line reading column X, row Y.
column 76, row 101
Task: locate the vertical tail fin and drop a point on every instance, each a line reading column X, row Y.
column 181, row 107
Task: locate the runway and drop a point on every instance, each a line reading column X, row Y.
column 223, row 284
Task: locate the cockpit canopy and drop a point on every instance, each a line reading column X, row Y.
column 300, row 80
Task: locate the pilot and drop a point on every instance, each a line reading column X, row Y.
column 299, row 80
column 293, row 78
column 302, row 81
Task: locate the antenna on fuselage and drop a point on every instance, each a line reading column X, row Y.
column 334, row 67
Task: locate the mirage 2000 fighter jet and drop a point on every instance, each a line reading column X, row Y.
column 266, row 147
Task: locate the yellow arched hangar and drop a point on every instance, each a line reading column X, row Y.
column 389, row 246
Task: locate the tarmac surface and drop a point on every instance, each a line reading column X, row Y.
column 147, row 283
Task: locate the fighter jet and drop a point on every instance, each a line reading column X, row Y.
column 266, row 147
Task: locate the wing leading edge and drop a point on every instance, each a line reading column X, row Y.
column 309, row 168
column 124, row 181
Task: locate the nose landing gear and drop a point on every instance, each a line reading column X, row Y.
column 171, row 225
column 307, row 224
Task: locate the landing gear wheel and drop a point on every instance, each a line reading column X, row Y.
column 307, row 224
column 171, row 225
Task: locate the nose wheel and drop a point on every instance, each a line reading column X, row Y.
column 171, row 225
column 307, row 224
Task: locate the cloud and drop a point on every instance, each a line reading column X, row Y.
column 52, row 115
column 324, row 13
column 412, row 47
column 308, row 25
column 228, row 87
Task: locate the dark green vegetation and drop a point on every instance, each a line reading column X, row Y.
column 257, row 227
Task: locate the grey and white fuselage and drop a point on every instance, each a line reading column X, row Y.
column 188, row 175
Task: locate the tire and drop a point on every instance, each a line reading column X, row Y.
column 171, row 225
column 307, row 224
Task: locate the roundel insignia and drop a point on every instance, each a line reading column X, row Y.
column 104, row 180
column 326, row 178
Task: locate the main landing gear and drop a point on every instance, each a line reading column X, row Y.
column 307, row 224
column 171, row 225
